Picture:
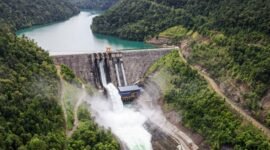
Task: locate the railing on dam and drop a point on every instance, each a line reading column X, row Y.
column 132, row 64
column 118, row 50
column 152, row 49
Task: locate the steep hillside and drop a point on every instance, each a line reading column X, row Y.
column 203, row 110
column 138, row 19
column 142, row 18
column 29, row 113
column 93, row 4
column 25, row 13
column 229, row 39
column 238, row 63
column 228, row 15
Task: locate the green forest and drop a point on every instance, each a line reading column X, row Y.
column 30, row 115
column 203, row 110
column 91, row 137
column 93, row 4
column 237, row 60
column 228, row 38
column 136, row 20
column 26, row 13
column 140, row 19
column 240, row 58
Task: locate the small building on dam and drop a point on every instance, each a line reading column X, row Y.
column 129, row 93
column 122, row 68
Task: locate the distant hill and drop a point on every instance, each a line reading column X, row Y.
column 25, row 13
column 93, row 4
column 141, row 18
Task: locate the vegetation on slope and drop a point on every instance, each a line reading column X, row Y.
column 25, row 13
column 138, row 19
column 240, row 60
column 29, row 113
column 69, row 75
column 90, row 136
column 204, row 111
column 227, row 15
column 93, row 4
column 142, row 18
column 228, row 38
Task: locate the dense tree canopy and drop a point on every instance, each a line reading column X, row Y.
column 141, row 18
column 29, row 113
column 138, row 19
column 204, row 111
column 25, row 13
column 93, row 4
column 90, row 136
column 233, row 44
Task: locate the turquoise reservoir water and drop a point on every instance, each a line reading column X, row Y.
column 75, row 36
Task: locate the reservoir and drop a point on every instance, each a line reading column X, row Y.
column 75, row 36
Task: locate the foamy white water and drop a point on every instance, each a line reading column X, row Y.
column 111, row 89
column 125, row 122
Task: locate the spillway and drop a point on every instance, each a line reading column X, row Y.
column 124, row 121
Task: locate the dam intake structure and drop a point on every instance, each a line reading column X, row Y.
column 122, row 68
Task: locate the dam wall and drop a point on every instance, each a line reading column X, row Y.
column 136, row 63
column 131, row 65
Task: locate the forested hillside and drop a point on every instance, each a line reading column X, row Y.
column 93, row 4
column 229, row 39
column 202, row 109
column 141, row 18
column 138, row 19
column 29, row 113
column 25, row 13
column 229, row 15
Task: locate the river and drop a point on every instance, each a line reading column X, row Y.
column 75, row 36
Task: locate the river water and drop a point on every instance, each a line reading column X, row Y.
column 75, row 36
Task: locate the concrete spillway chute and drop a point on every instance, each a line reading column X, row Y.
column 117, row 74
column 124, row 73
column 129, row 65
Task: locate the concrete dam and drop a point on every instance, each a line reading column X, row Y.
column 122, row 67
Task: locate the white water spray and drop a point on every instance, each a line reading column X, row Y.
column 111, row 89
column 125, row 122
